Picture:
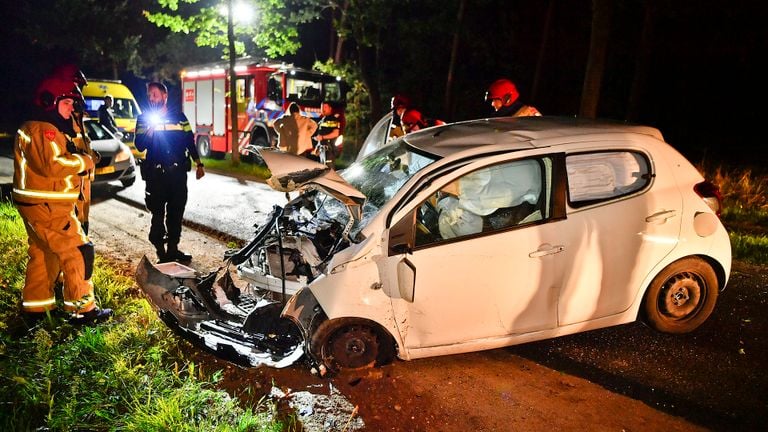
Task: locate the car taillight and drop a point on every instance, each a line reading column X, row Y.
column 710, row 193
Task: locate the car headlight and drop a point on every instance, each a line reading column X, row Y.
column 124, row 154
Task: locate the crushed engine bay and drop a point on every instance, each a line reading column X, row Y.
column 245, row 325
column 293, row 248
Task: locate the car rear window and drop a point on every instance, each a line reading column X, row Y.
column 602, row 176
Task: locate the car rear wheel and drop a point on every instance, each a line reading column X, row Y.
column 351, row 344
column 682, row 296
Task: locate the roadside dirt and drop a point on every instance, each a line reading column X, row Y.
column 627, row 378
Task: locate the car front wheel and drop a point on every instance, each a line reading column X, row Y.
column 351, row 344
column 681, row 297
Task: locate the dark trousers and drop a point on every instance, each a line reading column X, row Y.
column 166, row 197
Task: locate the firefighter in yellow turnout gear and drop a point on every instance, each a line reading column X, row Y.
column 47, row 184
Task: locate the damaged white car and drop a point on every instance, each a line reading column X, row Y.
column 463, row 237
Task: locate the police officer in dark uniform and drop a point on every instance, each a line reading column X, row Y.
column 168, row 139
column 330, row 129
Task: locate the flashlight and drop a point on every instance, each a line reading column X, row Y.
column 155, row 119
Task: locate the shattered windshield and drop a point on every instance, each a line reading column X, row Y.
column 379, row 176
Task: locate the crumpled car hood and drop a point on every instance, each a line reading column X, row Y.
column 291, row 172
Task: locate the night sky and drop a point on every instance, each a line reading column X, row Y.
column 704, row 84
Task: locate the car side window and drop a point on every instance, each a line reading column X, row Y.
column 601, row 176
column 487, row 200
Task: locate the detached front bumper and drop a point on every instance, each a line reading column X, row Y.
column 214, row 314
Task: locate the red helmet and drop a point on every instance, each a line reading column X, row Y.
column 412, row 117
column 66, row 81
column 400, row 101
column 51, row 90
column 70, row 72
column 502, row 89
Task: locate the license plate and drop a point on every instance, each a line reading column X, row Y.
column 106, row 170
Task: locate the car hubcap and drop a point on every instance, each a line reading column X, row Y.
column 354, row 347
column 681, row 295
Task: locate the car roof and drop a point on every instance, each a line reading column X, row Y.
column 520, row 133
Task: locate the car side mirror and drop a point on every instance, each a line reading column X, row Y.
column 401, row 248
column 401, row 235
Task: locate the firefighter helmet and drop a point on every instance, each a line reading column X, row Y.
column 413, row 117
column 504, row 90
column 400, row 101
column 51, row 90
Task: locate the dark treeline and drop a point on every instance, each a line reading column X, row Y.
column 688, row 67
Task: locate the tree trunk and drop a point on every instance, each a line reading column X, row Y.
column 448, row 102
column 369, row 80
column 601, row 28
column 339, row 39
column 542, row 51
column 232, row 88
column 642, row 63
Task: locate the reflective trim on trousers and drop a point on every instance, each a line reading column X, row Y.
column 38, row 305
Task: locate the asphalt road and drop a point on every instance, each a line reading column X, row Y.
column 224, row 205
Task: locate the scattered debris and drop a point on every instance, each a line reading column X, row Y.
column 320, row 413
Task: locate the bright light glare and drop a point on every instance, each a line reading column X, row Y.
column 155, row 119
column 353, row 171
column 242, row 13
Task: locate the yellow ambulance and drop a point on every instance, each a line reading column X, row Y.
column 126, row 109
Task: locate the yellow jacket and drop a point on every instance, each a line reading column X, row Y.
column 44, row 171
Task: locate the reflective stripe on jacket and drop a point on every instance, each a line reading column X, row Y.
column 43, row 168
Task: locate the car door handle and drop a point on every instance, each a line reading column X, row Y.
column 546, row 249
column 661, row 216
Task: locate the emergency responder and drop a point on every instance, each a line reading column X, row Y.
column 399, row 104
column 330, row 132
column 107, row 116
column 47, row 180
column 413, row 121
column 167, row 137
column 70, row 72
column 295, row 131
column 505, row 100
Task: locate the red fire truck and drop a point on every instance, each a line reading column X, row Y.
column 264, row 91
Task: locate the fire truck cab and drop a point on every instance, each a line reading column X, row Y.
column 264, row 91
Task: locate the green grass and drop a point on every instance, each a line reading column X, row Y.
column 748, row 229
column 745, row 212
column 127, row 374
column 244, row 168
column 750, row 248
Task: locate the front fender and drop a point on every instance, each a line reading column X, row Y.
column 305, row 311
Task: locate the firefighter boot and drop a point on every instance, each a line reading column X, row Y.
column 93, row 316
column 174, row 254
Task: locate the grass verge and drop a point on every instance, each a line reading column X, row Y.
column 127, row 374
column 244, row 168
column 745, row 213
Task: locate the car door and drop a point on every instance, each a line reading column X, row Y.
column 623, row 219
column 460, row 276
